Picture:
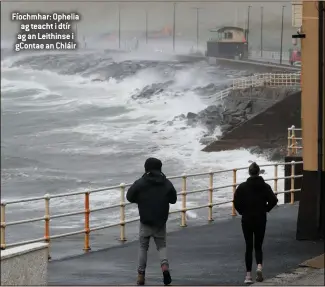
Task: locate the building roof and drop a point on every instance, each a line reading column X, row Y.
column 227, row 28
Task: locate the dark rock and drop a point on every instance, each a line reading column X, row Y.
column 276, row 155
column 153, row 122
column 192, row 122
column 236, row 120
column 191, row 115
column 148, row 91
column 207, row 140
column 226, row 128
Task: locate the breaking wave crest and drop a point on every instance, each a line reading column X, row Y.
column 74, row 121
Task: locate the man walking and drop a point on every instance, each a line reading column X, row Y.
column 253, row 199
column 153, row 193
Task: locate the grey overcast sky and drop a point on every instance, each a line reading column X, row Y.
column 99, row 17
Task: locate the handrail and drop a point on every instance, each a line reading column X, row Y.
column 123, row 221
column 261, row 80
column 269, row 55
column 294, row 143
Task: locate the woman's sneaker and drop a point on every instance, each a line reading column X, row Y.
column 248, row 280
column 259, row 275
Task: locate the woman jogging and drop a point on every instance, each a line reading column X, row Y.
column 253, row 199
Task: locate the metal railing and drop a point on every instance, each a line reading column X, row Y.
column 268, row 79
column 273, row 56
column 86, row 211
column 294, row 141
column 262, row 80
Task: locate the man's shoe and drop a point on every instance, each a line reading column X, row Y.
column 167, row 277
column 141, row 278
column 166, row 274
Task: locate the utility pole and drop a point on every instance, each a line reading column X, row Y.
column 146, row 27
column 119, row 27
column 248, row 12
column 236, row 17
column 262, row 31
column 174, row 27
column 282, row 34
column 197, row 27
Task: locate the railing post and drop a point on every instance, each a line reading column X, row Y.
column 210, row 195
column 122, row 213
column 292, row 193
column 183, row 214
column 234, row 176
column 276, row 180
column 293, row 141
column 289, row 142
column 3, row 225
column 87, row 223
column 47, row 218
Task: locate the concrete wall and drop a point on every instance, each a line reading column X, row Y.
column 25, row 265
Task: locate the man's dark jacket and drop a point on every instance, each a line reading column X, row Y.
column 153, row 193
column 254, row 198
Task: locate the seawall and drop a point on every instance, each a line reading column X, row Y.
column 266, row 130
column 255, row 66
column 249, row 65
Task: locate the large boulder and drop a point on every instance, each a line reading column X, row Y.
column 148, row 91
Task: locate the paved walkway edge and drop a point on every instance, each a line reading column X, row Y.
column 300, row 276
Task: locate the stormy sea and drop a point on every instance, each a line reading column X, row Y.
column 89, row 119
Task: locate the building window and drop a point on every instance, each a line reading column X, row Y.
column 228, row 35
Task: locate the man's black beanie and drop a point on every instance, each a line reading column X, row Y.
column 152, row 164
column 254, row 169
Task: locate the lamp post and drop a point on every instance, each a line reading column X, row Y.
column 262, row 8
column 248, row 12
column 282, row 34
column 146, row 26
column 174, row 26
column 197, row 27
column 119, row 27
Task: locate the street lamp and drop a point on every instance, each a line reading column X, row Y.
column 119, row 27
column 248, row 12
column 146, row 26
column 262, row 31
column 282, row 34
column 174, row 26
column 197, row 27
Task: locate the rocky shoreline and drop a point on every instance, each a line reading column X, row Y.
column 233, row 112
column 236, row 109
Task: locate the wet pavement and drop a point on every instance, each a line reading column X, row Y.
column 204, row 255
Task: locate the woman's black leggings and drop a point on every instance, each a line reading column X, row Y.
column 254, row 232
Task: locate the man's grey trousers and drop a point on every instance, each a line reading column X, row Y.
column 159, row 236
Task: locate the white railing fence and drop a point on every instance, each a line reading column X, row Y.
column 262, row 80
column 213, row 177
column 269, row 55
column 294, row 141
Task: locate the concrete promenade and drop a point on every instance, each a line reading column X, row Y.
column 204, row 255
column 298, row 277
